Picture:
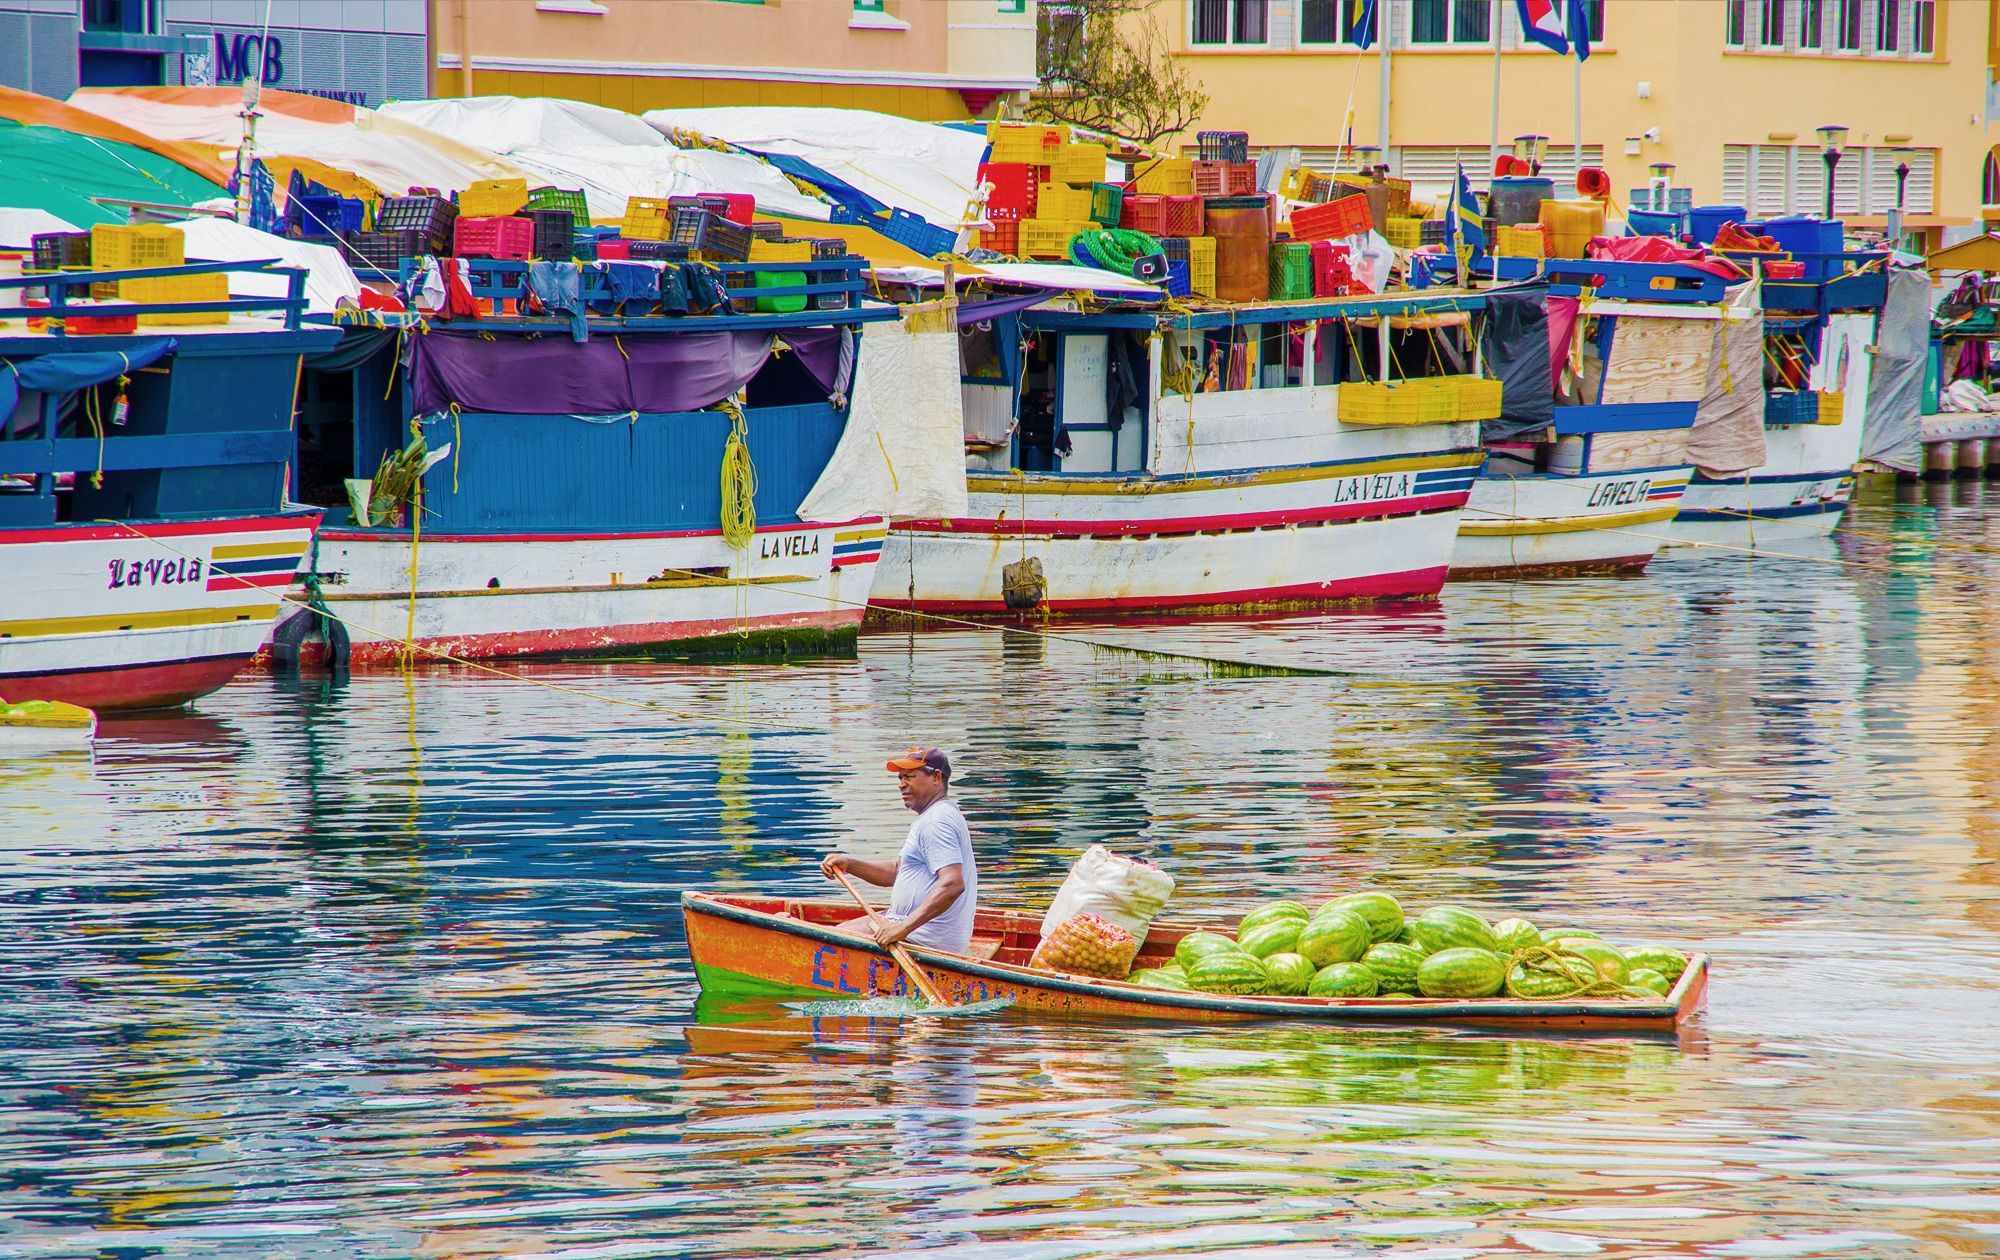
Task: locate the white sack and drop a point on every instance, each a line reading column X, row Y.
column 1102, row 883
column 903, row 451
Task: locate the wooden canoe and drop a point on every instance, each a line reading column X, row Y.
column 779, row 948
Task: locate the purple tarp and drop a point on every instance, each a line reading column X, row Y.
column 604, row 375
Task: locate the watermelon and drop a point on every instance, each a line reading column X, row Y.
column 1610, row 964
column 1452, row 927
column 1404, row 936
column 1270, row 911
column 1334, row 936
column 1231, row 971
column 1290, row 973
column 1647, row 978
column 1382, row 913
column 1395, row 965
column 1344, row 979
column 1199, row 945
column 1161, row 978
column 1515, row 935
column 1668, row 962
column 1551, row 935
column 1461, row 972
column 1279, row 936
column 1539, row 983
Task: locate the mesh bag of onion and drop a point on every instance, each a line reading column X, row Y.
column 1087, row 945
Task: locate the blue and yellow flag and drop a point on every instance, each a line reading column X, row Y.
column 1463, row 224
column 1361, row 22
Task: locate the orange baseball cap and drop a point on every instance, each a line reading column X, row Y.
column 922, row 759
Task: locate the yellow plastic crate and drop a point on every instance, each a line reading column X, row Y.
column 163, row 290
column 764, row 251
column 1080, row 164
column 493, row 198
column 1832, row 407
column 1510, row 241
column 1033, row 143
column 646, row 219
column 1478, row 398
column 121, row 247
column 1061, row 203
column 1404, row 233
column 1201, row 265
column 1049, row 238
column 1421, row 401
column 1165, row 177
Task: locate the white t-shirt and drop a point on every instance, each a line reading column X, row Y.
column 937, row 839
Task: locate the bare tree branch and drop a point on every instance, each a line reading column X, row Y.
column 1105, row 74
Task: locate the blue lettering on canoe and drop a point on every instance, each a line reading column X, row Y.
column 839, row 982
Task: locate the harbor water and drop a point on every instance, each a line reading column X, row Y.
column 395, row 967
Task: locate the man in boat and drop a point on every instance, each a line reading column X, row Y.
column 934, row 882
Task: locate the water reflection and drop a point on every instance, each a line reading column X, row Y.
column 395, row 967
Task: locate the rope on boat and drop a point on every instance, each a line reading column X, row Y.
column 739, row 480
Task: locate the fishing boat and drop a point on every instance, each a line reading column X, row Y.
column 1588, row 480
column 1818, row 339
column 585, row 482
column 784, row 948
column 145, row 532
column 1224, row 457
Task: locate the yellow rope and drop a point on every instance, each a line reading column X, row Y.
column 416, row 541
column 739, row 481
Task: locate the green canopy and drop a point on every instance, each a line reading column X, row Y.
column 45, row 168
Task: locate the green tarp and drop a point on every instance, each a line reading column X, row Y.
column 45, row 168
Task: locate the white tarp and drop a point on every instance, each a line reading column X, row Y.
column 1728, row 432
column 1896, row 386
column 610, row 155
column 916, row 166
column 394, row 156
column 329, row 279
column 903, row 451
column 19, row 227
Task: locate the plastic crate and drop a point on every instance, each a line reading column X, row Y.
column 1222, row 146
column 54, row 251
column 1333, row 272
column 710, row 237
column 1345, row 217
column 1050, row 238
column 1062, row 203
column 1519, row 242
column 127, row 247
column 493, row 198
column 1832, row 407
column 1291, row 271
column 646, row 219
column 614, row 249
column 658, row 251
column 1199, row 254
column 827, row 246
column 750, row 282
column 1164, row 176
column 830, row 301
column 1433, row 231
column 555, row 232
column 1080, row 163
column 1035, row 144
column 1177, row 277
column 433, row 216
column 506, row 237
column 549, row 197
column 1002, row 238
column 780, row 251
column 1144, row 212
column 79, row 324
column 1184, row 215
column 1105, row 200
column 768, row 229
column 162, row 290
column 1399, row 197
column 1397, row 402
column 370, row 253
column 1012, row 196
column 326, row 216
column 1225, row 179
column 1791, row 406
column 918, row 234
column 1404, row 233
column 1478, row 398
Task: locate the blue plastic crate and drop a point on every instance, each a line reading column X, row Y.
column 1653, row 223
column 1177, row 277
column 326, row 216
column 1791, row 406
column 918, row 233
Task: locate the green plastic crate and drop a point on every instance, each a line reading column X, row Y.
column 1106, row 203
column 1291, row 270
column 552, row 198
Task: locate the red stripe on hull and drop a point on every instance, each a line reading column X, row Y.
column 1411, row 584
column 231, row 582
column 1234, row 521
column 131, row 687
column 844, row 562
column 162, row 529
column 527, row 644
column 357, row 535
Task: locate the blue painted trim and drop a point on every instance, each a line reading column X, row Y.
column 1771, row 479
column 146, row 452
column 1470, row 470
column 1624, row 417
column 1790, row 511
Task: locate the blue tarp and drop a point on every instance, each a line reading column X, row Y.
column 842, row 192
column 62, row 371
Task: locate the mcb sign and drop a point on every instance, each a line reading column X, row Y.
column 239, row 57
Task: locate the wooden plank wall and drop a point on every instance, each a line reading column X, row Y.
column 1659, row 360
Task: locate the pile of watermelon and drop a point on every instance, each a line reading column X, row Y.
column 1362, row 945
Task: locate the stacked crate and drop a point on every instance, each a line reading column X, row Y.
column 1046, row 189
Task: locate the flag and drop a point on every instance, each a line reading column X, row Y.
column 1542, row 22
column 1361, row 22
column 1578, row 22
column 1462, row 222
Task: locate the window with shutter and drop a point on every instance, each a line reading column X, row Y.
column 1735, row 175
column 1770, row 180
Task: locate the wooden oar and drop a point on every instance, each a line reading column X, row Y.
column 901, row 955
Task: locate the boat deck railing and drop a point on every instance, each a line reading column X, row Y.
column 67, row 292
column 832, row 294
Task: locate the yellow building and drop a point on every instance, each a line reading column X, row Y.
column 928, row 59
column 1730, row 92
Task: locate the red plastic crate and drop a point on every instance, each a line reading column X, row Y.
column 1784, row 271
column 1013, row 195
column 1183, row 216
column 1002, row 238
column 1145, row 212
column 1347, row 217
column 614, row 248
column 494, row 238
column 1224, row 179
column 1332, row 276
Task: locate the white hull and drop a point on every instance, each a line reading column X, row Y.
column 1554, row 523
column 521, row 595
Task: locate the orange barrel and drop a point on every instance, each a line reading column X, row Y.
column 1241, row 227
